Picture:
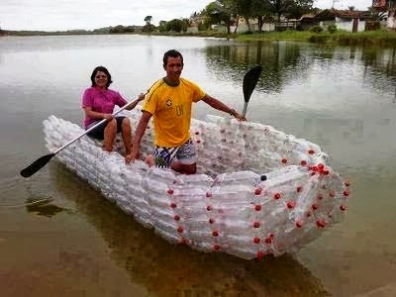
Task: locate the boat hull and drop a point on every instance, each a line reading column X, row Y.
column 258, row 191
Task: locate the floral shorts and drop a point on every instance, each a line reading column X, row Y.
column 185, row 154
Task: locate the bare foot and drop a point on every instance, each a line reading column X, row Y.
column 128, row 158
column 150, row 160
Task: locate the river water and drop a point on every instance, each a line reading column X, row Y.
column 75, row 243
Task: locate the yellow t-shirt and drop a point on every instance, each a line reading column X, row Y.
column 171, row 109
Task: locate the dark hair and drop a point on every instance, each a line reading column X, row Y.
column 174, row 54
column 101, row 69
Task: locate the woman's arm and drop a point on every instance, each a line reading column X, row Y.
column 97, row 115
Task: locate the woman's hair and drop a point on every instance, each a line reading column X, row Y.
column 101, row 69
column 172, row 53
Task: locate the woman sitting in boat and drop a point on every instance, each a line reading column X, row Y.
column 98, row 103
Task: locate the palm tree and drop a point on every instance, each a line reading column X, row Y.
column 148, row 19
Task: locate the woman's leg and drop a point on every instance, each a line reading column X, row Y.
column 109, row 135
column 126, row 132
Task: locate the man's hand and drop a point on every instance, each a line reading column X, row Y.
column 238, row 116
column 141, row 97
column 131, row 157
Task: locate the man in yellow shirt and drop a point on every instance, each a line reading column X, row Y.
column 170, row 101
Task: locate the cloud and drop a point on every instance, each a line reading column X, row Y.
column 51, row 15
column 90, row 14
column 344, row 4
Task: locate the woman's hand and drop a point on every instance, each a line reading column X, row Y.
column 107, row 116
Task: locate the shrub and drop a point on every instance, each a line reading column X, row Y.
column 316, row 29
column 332, row 28
column 320, row 39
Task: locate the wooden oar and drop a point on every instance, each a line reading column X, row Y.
column 42, row 161
column 249, row 83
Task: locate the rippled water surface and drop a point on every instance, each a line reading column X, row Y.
column 58, row 237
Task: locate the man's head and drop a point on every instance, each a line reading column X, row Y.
column 174, row 54
column 173, row 65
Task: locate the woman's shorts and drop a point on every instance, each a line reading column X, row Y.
column 98, row 132
column 185, row 154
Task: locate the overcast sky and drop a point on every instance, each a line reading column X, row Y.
column 50, row 15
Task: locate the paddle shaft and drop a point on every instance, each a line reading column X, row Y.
column 245, row 108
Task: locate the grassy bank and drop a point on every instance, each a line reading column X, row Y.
column 370, row 38
column 379, row 38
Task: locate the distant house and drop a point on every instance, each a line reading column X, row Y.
column 351, row 20
column 241, row 26
column 324, row 19
column 348, row 20
column 381, row 5
column 391, row 20
column 388, row 7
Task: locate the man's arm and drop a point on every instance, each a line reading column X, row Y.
column 140, row 130
column 217, row 104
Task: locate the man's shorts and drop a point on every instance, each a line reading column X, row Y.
column 98, row 132
column 185, row 154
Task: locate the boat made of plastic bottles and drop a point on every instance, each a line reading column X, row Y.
column 257, row 190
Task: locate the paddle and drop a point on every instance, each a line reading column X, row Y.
column 249, row 83
column 42, row 161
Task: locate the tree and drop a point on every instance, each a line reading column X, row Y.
column 185, row 24
column 254, row 9
column 284, row 7
column 175, row 25
column 148, row 27
column 163, row 26
column 148, row 19
column 378, row 15
column 244, row 9
column 221, row 12
column 117, row 29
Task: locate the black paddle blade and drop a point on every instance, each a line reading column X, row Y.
column 250, row 80
column 36, row 165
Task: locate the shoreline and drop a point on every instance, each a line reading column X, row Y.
column 379, row 38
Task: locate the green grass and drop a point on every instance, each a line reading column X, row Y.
column 370, row 38
column 378, row 38
column 275, row 36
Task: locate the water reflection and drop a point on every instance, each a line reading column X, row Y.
column 42, row 207
column 341, row 98
column 171, row 270
column 282, row 62
column 287, row 62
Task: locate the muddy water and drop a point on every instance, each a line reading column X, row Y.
column 58, row 237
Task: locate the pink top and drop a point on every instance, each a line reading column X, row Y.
column 101, row 101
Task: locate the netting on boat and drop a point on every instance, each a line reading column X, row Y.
column 258, row 191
